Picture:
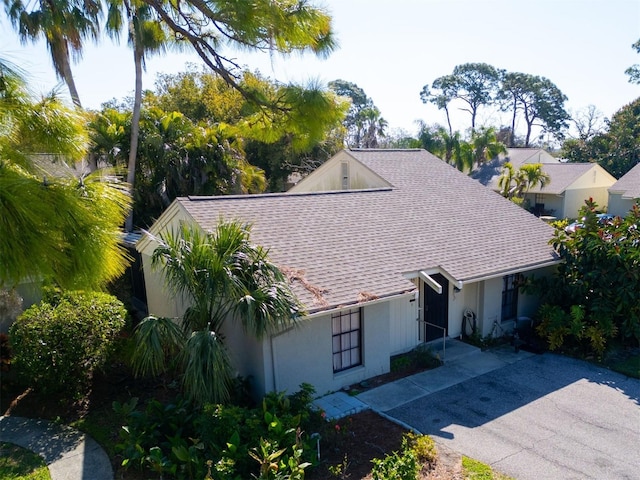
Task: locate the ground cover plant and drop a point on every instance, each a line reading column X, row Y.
column 17, row 463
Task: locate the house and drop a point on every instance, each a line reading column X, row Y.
column 625, row 192
column 488, row 173
column 387, row 249
column 569, row 186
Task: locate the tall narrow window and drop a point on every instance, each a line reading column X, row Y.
column 509, row 297
column 347, row 339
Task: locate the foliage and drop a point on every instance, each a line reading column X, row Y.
column 59, row 343
column 420, row 357
column 514, row 184
column 540, row 101
column 6, row 354
column 592, row 298
column 417, row 451
column 634, row 71
column 364, row 124
column 199, row 136
column 617, row 149
column 536, row 99
column 475, row 84
column 18, row 463
column 629, row 367
column 64, row 25
column 401, row 465
column 60, row 229
column 222, row 277
column 476, row 470
column 424, row 447
column 270, row 441
column 482, row 146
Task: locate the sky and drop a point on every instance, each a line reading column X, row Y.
column 391, row 49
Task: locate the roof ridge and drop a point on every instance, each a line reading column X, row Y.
column 200, row 198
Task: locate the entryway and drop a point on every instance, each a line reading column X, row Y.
column 435, row 307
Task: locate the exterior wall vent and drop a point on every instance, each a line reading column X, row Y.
column 345, row 175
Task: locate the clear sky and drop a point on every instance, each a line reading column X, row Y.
column 391, row 49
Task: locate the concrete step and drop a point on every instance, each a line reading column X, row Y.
column 453, row 349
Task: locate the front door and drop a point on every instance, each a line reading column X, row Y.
column 436, row 309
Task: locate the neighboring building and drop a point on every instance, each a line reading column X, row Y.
column 625, row 192
column 386, row 249
column 570, row 185
column 489, row 172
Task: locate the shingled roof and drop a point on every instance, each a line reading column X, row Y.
column 488, row 173
column 629, row 184
column 341, row 247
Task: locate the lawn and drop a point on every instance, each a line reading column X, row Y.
column 17, row 463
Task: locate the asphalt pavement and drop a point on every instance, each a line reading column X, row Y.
column 543, row 417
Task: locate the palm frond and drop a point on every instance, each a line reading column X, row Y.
column 207, row 368
column 157, row 340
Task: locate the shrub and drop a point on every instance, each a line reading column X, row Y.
column 224, row 441
column 59, row 343
column 591, row 301
column 405, row 465
column 423, row 446
column 396, row 466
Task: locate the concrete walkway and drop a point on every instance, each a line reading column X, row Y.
column 461, row 362
column 69, row 453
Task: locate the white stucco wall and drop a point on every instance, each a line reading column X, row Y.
column 403, row 324
column 552, row 202
column 305, row 353
column 618, row 205
column 467, row 298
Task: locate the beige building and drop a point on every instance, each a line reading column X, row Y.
column 387, row 249
column 570, row 185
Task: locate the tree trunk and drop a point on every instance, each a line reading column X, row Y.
column 135, row 127
column 64, row 68
column 512, row 135
column 448, row 121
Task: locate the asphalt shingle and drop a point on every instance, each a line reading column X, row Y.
column 629, row 184
column 351, row 243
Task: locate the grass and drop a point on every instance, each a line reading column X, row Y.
column 17, row 463
column 475, row 470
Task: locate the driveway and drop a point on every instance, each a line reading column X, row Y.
column 544, row 417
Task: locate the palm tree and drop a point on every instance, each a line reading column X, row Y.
column 224, row 278
column 59, row 229
column 514, row 184
column 146, row 35
column 506, row 179
column 64, row 25
column 486, row 145
column 529, row 176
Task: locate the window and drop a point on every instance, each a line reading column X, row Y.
column 347, row 339
column 510, row 297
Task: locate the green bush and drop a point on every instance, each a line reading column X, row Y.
column 423, row 446
column 591, row 302
column 416, row 451
column 396, row 466
column 59, row 343
column 224, row 441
